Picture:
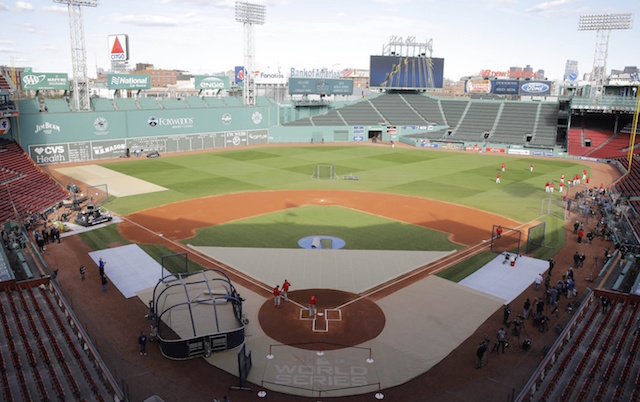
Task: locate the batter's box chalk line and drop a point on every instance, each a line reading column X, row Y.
column 320, row 322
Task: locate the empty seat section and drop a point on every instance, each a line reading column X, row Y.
column 102, row 105
column 195, row 102
column 57, row 106
column 425, row 106
column 546, row 127
column 148, row 103
column 361, row 113
column 28, row 106
column 173, row 104
column 453, row 110
column 396, row 110
column 516, row 121
column 480, row 117
column 126, row 104
column 214, row 101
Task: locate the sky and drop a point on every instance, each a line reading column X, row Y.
column 202, row 36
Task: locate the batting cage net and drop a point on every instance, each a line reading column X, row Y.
column 324, row 172
column 535, row 237
column 505, row 239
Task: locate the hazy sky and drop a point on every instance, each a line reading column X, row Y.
column 202, row 37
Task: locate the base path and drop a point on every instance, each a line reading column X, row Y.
column 179, row 221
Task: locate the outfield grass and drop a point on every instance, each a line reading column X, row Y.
column 360, row 231
column 457, row 177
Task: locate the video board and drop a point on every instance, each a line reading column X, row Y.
column 320, row 86
column 399, row 72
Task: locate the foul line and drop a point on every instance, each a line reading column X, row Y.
column 455, row 258
column 217, row 264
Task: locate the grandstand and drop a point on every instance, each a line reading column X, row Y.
column 126, row 104
column 148, row 103
column 102, row 105
column 57, row 106
column 25, row 188
column 171, row 103
column 42, row 343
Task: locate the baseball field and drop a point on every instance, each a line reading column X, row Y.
column 375, row 198
column 458, row 178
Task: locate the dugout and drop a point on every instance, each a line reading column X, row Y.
column 196, row 314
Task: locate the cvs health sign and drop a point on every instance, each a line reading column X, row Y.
column 43, row 154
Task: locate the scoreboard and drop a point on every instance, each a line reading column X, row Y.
column 320, row 86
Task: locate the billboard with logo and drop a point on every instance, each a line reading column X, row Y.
column 118, row 47
column 317, row 86
column 406, row 72
column 505, row 87
column 212, row 82
column 128, row 81
column 48, row 81
column 535, row 88
column 476, row 86
column 239, row 74
column 269, row 77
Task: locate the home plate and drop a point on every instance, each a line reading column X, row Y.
column 320, row 314
column 321, row 199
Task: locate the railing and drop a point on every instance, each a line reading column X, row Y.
column 605, row 103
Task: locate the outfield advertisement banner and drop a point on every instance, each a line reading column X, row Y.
column 406, row 72
column 478, row 86
column 535, row 88
column 46, row 81
column 211, row 82
column 505, row 87
column 103, row 149
column 128, row 81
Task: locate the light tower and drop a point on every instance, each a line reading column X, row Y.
column 249, row 14
column 603, row 24
column 78, row 51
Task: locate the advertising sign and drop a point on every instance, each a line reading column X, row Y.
column 49, row 81
column 477, row 86
column 118, row 47
column 212, row 82
column 239, row 72
column 5, row 125
column 128, row 81
column 267, row 77
column 505, row 87
column 317, row 86
column 406, row 72
column 535, row 88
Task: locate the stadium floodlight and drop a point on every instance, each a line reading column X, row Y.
column 78, row 51
column 603, row 24
column 249, row 14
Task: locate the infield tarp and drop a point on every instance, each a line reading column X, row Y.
column 504, row 281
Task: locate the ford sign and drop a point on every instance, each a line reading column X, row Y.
column 535, row 87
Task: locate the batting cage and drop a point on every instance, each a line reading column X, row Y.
column 504, row 239
column 324, row 172
column 196, row 314
column 535, row 237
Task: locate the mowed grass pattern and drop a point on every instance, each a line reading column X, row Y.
column 360, row 231
column 456, row 177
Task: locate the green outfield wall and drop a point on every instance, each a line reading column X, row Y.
column 80, row 136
